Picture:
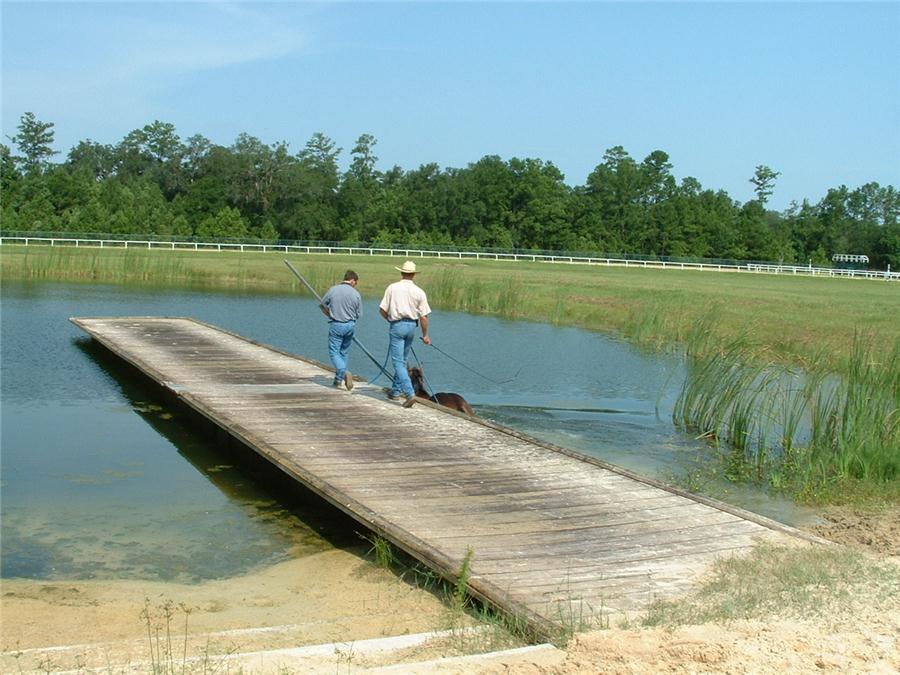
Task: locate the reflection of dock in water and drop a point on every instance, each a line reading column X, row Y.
column 551, row 534
column 243, row 477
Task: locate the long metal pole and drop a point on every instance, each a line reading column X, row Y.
column 318, row 297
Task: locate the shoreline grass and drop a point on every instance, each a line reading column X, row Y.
column 796, row 378
column 807, row 433
column 799, row 320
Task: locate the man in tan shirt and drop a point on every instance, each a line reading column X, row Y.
column 404, row 306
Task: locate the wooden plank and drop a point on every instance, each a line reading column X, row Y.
column 548, row 527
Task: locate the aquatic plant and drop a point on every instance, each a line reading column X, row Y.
column 445, row 289
column 793, row 429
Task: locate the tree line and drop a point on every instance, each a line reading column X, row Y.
column 155, row 183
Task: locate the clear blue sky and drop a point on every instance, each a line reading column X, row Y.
column 809, row 89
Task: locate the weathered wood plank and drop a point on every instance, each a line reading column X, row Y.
column 548, row 528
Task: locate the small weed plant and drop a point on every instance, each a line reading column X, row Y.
column 381, row 551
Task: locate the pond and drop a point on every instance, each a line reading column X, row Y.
column 101, row 479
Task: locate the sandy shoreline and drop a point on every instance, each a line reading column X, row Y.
column 338, row 596
column 326, row 597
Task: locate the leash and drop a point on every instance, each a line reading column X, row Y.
column 387, row 357
column 422, row 369
column 355, row 341
column 457, row 361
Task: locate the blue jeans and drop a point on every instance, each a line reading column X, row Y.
column 402, row 333
column 340, row 336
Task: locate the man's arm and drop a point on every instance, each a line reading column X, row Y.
column 423, row 322
column 325, row 303
column 383, row 312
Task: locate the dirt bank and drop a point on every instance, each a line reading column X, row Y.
column 760, row 647
column 875, row 531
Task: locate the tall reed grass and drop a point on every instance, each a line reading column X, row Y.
column 799, row 430
column 449, row 290
column 119, row 266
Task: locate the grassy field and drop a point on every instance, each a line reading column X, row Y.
column 795, row 379
column 794, row 319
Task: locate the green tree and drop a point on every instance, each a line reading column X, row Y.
column 154, row 151
column 615, row 190
column 9, row 174
column 887, row 247
column 34, row 141
column 227, row 223
column 266, row 232
column 313, row 188
column 538, row 210
column 257, row 183
column 36, row 212
column 764, row 183
column 358, row 192
column 363, row 165
column 96, row 159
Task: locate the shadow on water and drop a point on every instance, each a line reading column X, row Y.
column 142, row 522
column 232, row 467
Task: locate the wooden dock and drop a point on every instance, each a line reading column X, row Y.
column 551, row 534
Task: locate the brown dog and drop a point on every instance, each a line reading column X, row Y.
column 448, row 400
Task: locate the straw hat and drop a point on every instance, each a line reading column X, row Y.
column 409, row 267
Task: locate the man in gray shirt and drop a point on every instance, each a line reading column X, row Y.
column 342, row 305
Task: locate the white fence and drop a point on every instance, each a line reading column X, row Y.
column 752, row 267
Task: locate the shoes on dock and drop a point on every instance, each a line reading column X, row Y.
column 396, row 397
column 346, row 383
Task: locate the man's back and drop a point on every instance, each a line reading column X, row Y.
column 344, row 302
column 404, row 300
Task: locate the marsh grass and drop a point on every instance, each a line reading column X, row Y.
column 449, row 289
column 797, row 318
column 109, row 266
column 501, row 629
column 654, row 324
column 802, row 431
column 798, row 581
column 319, row 278
column 446, row 288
